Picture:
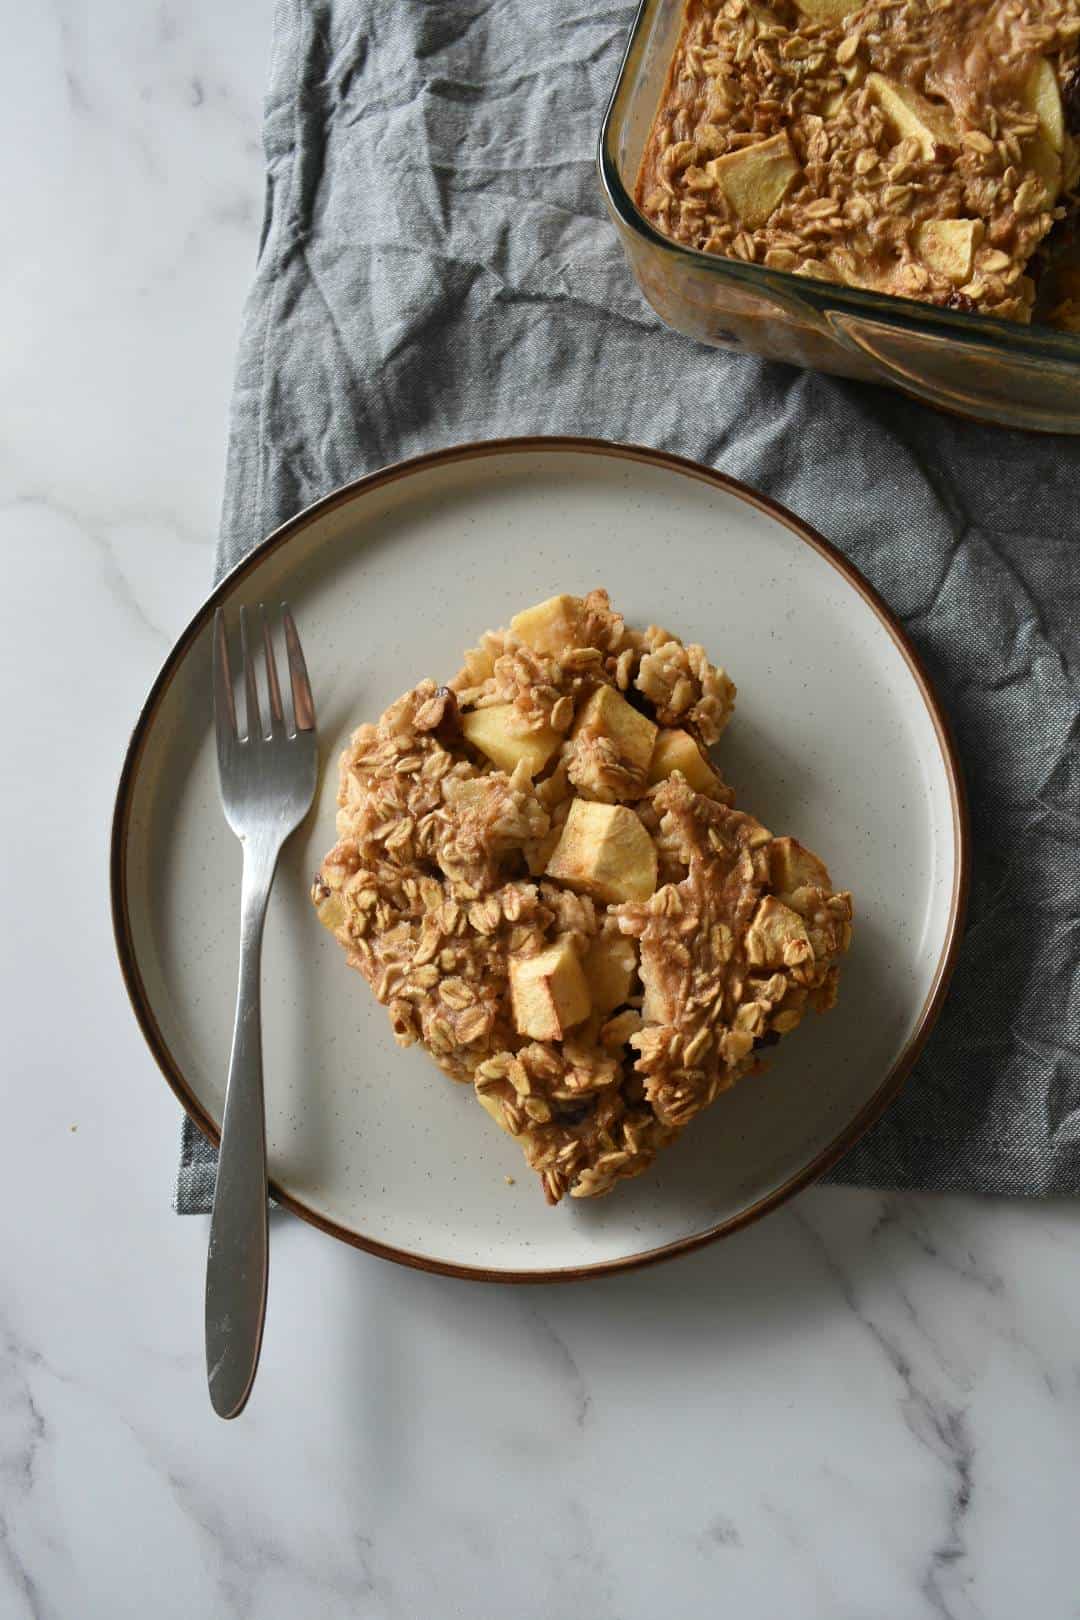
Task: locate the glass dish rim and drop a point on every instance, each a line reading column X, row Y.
column 987, row 332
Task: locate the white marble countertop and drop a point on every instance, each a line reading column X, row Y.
column 866, row 1406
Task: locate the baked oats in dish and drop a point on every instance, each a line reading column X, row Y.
column 544, row 879
column 925, row 148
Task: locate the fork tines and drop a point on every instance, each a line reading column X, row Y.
column 302, row 715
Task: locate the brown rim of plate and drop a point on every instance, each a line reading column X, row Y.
column 895, row 1077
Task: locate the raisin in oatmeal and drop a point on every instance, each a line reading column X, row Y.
column 545, row 881
column 917, row 147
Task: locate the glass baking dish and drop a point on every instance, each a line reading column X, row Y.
column 1019, row 376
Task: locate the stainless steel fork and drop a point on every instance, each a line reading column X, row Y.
column 268, row 776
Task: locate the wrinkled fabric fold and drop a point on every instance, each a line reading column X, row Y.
column 436, row 266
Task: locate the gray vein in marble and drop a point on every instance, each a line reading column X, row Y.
column 100, row 516
column 719, row 1532
column 582, row 1400
column 584, row 1569
column 116, row 581
column 78, row 99
column 21, row 1585
column 168, row 29
column 938, row 1425
column 238, row 210
column 907, row 1217
column 19, row 1464
column 18, row 1461
column 76, row 94
column 245, row 1559
column 949, row 1435
column 378, row 1585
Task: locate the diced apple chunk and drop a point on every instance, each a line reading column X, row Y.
column 677, row 751
column 910, row 115
column 1042, row 97
column 549, row 627
column 610, row 965
column 792, row 866
column 495, row 1108
column 607, row 714
column 827, row 11
column 494, row 732
column 755, row 178
column 777, row 936
column 1040, row 155
column 549, row 992
column 948, row 246
column 331, row 911
column 605, row 851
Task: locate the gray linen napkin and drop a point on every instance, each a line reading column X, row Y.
column 436, row 266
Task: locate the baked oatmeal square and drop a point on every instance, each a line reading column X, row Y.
column 543, row 877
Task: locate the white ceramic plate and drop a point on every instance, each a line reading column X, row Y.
column 836, row 738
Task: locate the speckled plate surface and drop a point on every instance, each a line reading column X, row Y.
column 836, row 738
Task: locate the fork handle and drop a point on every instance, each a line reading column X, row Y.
column 237, row 1265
